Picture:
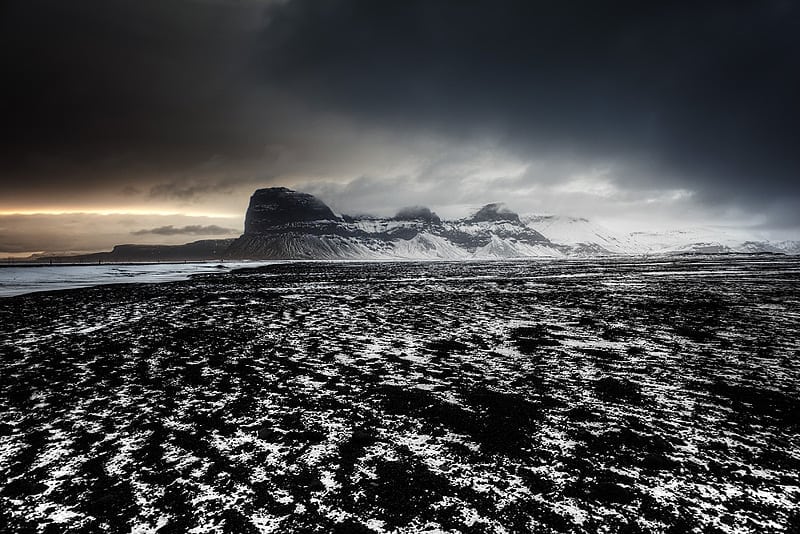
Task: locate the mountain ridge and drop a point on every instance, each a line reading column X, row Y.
column 293, row 225
column 491, row 232
column 281, row 223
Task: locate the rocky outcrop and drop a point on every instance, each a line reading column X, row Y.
column 277, row 206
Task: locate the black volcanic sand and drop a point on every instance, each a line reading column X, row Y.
column 628, row 396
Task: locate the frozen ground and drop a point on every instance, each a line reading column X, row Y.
column 21, row 279
column 613, row 396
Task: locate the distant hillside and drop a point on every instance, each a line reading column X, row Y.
column 203, row 250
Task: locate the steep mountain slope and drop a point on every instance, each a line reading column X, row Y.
column 277, row 206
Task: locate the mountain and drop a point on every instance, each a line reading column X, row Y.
column 708, row 240
column 579, row 236
column 285, row 224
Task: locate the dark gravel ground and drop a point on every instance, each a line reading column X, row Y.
column 604, row 396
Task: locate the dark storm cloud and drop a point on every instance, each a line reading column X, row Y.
column 178, row 99
column 699, row 94
column 193, row 229
column 186, row 191
column 104, row 90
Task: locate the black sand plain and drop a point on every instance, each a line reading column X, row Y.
column 537, row 396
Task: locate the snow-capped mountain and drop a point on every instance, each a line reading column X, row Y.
column 580, row 236
column 282, row 223
column 708, row 240
column 285, row 224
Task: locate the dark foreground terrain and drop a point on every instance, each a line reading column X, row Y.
column 625, row 396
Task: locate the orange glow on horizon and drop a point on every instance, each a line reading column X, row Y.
column 114, row 211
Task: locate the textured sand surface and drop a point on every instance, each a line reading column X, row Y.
column 615, row 396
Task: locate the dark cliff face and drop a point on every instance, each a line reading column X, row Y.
column 277, row 206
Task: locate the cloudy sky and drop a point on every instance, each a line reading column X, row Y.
column 139, row 121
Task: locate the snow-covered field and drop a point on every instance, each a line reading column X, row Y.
column 476, row 397
column 20, row 279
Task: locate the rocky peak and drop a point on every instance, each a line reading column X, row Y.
column 276, row 206
column 494, row 212
column 414, row 213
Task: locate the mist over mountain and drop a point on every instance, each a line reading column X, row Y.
column 417, row 212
